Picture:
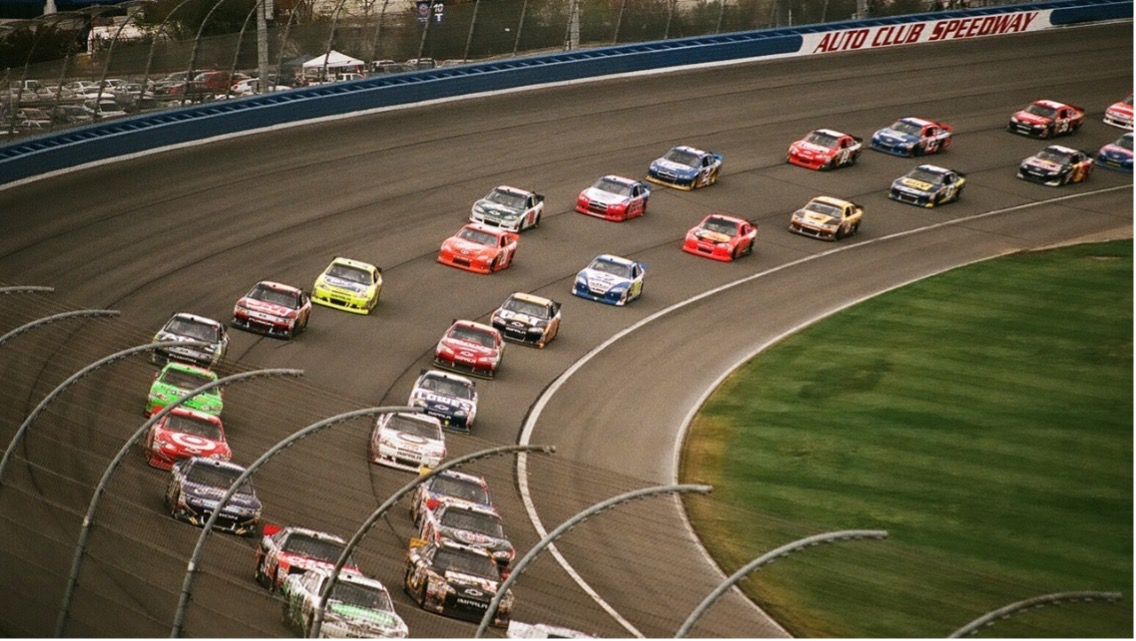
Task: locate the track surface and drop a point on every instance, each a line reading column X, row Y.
column 193, row 229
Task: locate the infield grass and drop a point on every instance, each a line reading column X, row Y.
column 983, row 417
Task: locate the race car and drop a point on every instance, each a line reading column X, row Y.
column 175, row 380
column 273, row 308
column 721, row 237
column 1120, row 114
column 509, row 208
column 479, row 249
column 1047, row 118
column 357, row 608
column 407, row 441
column 470, row 525
column 184, row 433
column 527, row 318
column 685, row 168
column 450, row 487
column 294, row 550
column 825, row 149
column 470, row 348
column 450, row 398
column 190, row 327
column 1056, row 165
column 928, row 186
column 350, row 285
column 610, row 279
column 614, row 198
column 912, row 137
column 1117, row 155
column 197, row 486
column 455, row 580
column 827, row 218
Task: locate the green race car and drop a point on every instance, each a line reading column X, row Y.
column 176, row 380
column 350, row 285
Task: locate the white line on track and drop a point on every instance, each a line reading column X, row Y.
column 546, row 396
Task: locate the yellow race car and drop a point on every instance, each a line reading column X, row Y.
column 350, row 285
column 827, row 218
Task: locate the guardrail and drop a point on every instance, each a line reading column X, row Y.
column 41, row 155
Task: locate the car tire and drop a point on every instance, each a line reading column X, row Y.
column 958, row 194
column 536, row 221
column 855, row 229
column 1047, row 132
column 284, row 618
column 748, row 250
column 261, row 577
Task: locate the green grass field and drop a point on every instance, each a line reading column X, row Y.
column 982, row 417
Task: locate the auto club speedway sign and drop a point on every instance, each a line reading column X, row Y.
column 926, row 31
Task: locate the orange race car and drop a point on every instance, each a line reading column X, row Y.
column 479, row 249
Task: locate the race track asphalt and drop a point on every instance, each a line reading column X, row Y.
column 193, row 229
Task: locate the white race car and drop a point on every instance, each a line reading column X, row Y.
column 508, row 208
column 408, row 441
column 358, row 607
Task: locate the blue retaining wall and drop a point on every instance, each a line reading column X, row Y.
column 74, row 147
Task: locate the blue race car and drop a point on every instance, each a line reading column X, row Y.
column 197, row 484
column 685, row 168
column 927, row 186
column 1117, row 155
column 912, row 137
column 450, row 398
column 610, row 279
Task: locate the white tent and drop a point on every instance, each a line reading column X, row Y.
column 335, row 61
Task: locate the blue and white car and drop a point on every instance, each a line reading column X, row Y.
column 1117, row 155
column 928, row 186
column 912, row 137
column 196, row 488
column 450, row 398
column 610, row 279
column 686, row 168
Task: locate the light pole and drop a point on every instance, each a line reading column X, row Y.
column 89, row 519
column 329, row 585
column 195, row 558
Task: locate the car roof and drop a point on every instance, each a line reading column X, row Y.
column 185, row 411
column 916, row 121
column 474, row 325
column 352, row 263
column 689, row 149
column 935, row 169
column 722, row 216
column 619, row 179
column 280, row 286
column 350, row 577
column 437, row 373
column 421, row 418
column 830, row 132
column 615, row 259
column 532, row 298
column 472, row 507
column 195, row 317
column 513, row 190
column 489, row 230
column 1062, row 149
column 465, row 476
column 1052, row 104
column 832, row 201
column 212, row 462
column 187, row 367
column 315, row 534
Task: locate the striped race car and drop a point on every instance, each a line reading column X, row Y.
column 912, row 137
column 928, row 186
column 685, row 167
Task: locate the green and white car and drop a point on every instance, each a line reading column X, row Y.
column 359, row 607
column 176, row 380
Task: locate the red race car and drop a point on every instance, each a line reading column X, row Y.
column 294, row 550
column 185, row 433
column 721, row 237
column 614, row 198
column 470, row 347
column 479, row 249
column 273, row 308
column 1120, row 114
column 825, row 149
column 1046, row 118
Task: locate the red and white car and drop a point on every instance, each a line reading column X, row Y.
column 614, row 198
column 185, row 433
column 273, row 308
column 294, row 550
column 471, row 348
column 450, row 487
column 1047, row 118
column 479, row 249
column 1120, row 114
column 721, row 237
column 825, row 149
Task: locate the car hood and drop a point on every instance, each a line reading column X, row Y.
column 814, row 217
column 465, row 581
column 490, row 208
column 893, row 136
column 809, row 148
column 605, row 197
column 343, row 283
column 466, row 247
column 711, row 236
column 1044, row 165
column 509, row 315
column 1115, row 152
column 1034, row 119
column 364, row 614
column 603, row 281
column 439, row 401
column 190, row 443
column 917, row 185
column 477, row 539
column 264, row 307
column 468, row 346
column 412, row 440
column 676, row 168
column 211, row 493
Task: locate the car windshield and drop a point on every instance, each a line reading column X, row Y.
column 611, row 186
column 469, row 334
column 192, row 329
column 466, row 562
column 460, row 488
column 904, row 127
column 1125, row 142
column 1040, row 110
column 923, row 175
column 185, row 379
column 347, row 272
column 289, row 299
column 447, row 387
column 319, row 549
column 471, row 521
column 721, row 226
column 822, row 139
column 218, row 476
column 193, row 425
column 521, row 306
column 824, row 208
column 610, row 267
column 509, row 199
column 477, row 236
column 1053, row 156
column 682, row 157
column 364, row 596
column 408, row 425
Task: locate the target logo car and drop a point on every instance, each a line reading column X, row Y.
column 184, row 433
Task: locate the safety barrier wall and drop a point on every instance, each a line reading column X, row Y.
column 72, row 148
